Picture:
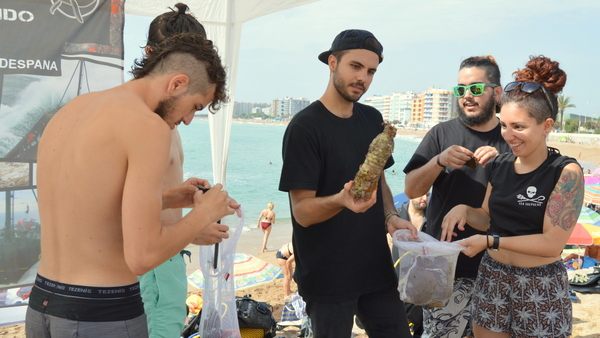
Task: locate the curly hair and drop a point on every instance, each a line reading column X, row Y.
column 486, row 62
column 546, row 72
column 190, row 54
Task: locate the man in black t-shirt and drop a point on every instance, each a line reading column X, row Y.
column 441, row 161
column 343, row 262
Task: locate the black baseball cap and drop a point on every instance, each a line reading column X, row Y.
column 354, row 39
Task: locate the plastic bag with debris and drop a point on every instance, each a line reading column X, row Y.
column 427, row 268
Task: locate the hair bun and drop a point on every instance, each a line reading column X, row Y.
column 545, row 71
column 181, row 7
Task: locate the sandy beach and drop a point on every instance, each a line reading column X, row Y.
column 586, row 315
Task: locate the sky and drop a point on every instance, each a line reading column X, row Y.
column 424, row 43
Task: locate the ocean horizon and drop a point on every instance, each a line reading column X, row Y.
column 254, row 164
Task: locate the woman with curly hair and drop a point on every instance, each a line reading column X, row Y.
column 533, row 198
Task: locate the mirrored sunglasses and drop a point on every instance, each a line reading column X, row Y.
column 476, row 89
column 529, row 87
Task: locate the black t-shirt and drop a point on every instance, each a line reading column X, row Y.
column 456, row 186
column 518, row 201
column 346, row 255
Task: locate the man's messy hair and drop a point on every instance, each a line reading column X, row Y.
column 486, row 62
column 190, row 54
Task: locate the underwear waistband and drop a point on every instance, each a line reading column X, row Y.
column 90, row 292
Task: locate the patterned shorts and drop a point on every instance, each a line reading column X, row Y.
column 525, row 302
column 453, row 320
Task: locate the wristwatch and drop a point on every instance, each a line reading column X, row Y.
column 496, row 244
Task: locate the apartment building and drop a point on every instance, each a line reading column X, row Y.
column 288, row 107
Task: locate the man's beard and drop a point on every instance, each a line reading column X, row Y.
column 342, row 88
column 417, row 206
column 486, row 114
column 166, row 107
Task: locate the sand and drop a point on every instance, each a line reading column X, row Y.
column 586, row 313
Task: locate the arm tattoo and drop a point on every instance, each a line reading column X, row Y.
column 566, row 200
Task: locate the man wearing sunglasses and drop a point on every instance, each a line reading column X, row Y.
column 445, row 160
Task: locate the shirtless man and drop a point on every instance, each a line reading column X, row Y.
column 164, row 288
column 101, row 163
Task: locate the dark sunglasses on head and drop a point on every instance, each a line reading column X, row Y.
column 529, row 87
column 476, row 89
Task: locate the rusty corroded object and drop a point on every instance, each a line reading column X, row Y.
column 472, row 163
column 380, row 150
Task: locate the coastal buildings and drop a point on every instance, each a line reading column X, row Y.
column 241, row 109
column 395, row 107
column 415, row 110
column 288, row 107
column 437, row 106
column 409, row 109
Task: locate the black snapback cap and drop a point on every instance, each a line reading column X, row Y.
column 354, row 39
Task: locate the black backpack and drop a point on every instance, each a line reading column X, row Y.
column 251, row 314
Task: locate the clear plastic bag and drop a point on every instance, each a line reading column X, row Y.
column 427, row 268
column 219, row 314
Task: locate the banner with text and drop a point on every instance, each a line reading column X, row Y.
column 50, row 52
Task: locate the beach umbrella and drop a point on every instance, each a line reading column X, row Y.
column 248, row 271
column 592, row 193
column 596, row 172
column 585, row 234
column 591, row 180
column 588, row 216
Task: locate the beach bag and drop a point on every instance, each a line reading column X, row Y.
column 306, row 330
column 253, row 314
column 255, row 320
column 294, row 309
column 427, row 268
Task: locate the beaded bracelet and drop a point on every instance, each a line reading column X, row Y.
column 390, row 215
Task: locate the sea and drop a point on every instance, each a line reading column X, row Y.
column 254, row 164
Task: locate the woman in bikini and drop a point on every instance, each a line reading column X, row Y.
column 285, row 258
column 265, row 221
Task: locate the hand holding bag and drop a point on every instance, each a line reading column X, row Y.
column 427, row 268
